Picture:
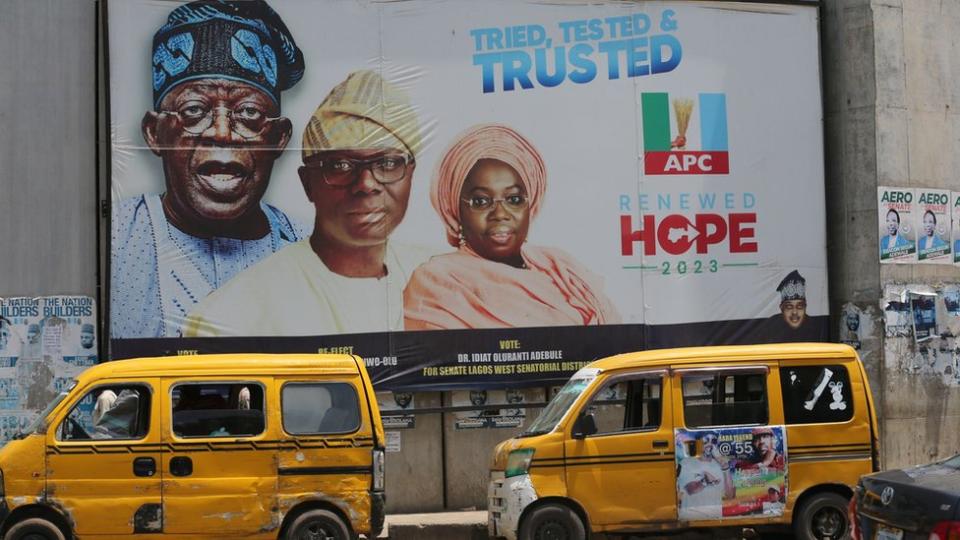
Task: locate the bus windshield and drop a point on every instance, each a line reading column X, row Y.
column 558, row 406
column 38, row 421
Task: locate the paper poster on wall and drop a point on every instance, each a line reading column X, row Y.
column 394, row 441
column 951, row 300
column 45, row 342
column 397, row 401
column 731, row 472
column 850, row 326
column 924, row 308
column 933, row 225
column 897, row 231
column 507, row 417
column 932, row 314
column 955, row 229
column 898, row 316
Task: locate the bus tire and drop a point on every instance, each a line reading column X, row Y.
column 320, row 523
column 552, row 521
column 823, row 515
column 34, row 528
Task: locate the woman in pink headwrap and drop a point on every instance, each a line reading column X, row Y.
column 488, row 187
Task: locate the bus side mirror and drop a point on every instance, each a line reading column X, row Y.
column 585, row 426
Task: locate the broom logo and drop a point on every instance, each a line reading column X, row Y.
column 666, row 154
column 683, row 108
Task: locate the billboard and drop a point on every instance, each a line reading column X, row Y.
column 464, row 194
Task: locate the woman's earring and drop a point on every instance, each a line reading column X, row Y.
column 462, row 239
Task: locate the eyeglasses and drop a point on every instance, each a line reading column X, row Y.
column 482, row 203
column 709, row 440
column 246, row 120
column 341, row 172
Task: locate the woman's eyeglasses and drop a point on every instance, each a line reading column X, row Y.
column 342, row 172
column 481, row 203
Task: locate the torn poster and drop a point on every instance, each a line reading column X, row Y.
column 45, row 342
column 924, row 307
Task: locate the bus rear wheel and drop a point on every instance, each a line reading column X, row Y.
column 823, row 515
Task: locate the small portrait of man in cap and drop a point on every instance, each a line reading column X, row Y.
column 86, row 336
column 33, row 333
column 359, row 156
column 514, row 397
column 793, row 323
column 850, row 327
column 33, row 346
column 403, row 399
column 478, row 397
column 793, row 299
column 9, row 341
column 766, row 451
column 219, row 68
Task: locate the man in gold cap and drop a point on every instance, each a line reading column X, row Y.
column 359, row 155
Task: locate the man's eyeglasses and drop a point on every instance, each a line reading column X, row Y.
column 341, row 171
column 709, row 440
column 481, row 203
column 246, row 120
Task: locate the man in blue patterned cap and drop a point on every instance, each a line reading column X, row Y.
column 218, row 70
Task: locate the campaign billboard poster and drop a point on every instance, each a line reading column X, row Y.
column 732, row 473
column 898, row 234
column 466, row 195
column 933, row 214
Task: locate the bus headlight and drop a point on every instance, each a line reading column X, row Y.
column 518, row 462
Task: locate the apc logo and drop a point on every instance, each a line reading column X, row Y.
column 666, row 155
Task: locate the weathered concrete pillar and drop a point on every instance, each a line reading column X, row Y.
column 892, row 80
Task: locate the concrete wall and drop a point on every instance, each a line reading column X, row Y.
column 48, row 180
column 452, row 464
column 468, row 457
column 850, row 144
column 414, row 481
column 918, row 133
column 892, row 91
